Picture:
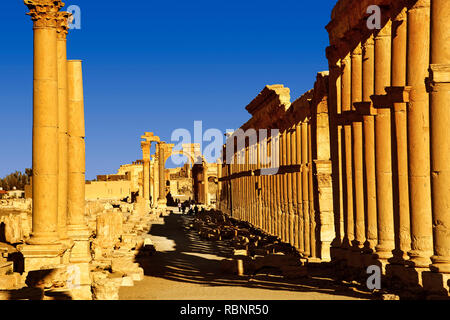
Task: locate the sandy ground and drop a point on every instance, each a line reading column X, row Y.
column 188, row 268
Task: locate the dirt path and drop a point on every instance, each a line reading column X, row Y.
column 188, row 268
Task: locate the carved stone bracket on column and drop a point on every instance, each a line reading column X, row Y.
column 396, row 96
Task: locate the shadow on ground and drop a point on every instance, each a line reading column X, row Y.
column 193, row 260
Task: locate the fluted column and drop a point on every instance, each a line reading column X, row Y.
column 383, row 147
column 440, row 142
column 419, row 134
column 61, row 45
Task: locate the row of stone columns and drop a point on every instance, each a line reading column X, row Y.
column 281, row 204
column 392, row 107
column 59, row 231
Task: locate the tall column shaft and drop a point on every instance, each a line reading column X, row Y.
column 305, row 189
column 347, row 153
column 76, row 152
column 283, row 186
column 312, row 212
column 357, row 131
column 294, row 190
column 298, row 176
column 162, row 178
column 369, row 146
column 383, row 147
column 45, row 126
column 61, row 46
column 419, row 134
column 440, row 142
column 399, row 53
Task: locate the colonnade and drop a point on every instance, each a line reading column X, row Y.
column 272, row 178
column 389, row 136
column 382, row 177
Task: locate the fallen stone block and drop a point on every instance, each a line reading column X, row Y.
column 10, row 281
column 50, row 277
column 105, row 289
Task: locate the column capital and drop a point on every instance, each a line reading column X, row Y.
column 368, row 43
column 439, row 73
column 62, row 24
column 44, row 13
column 365, row 108
column 419, row 4
column 402, row 15
column 385, row 32
column 357, row 51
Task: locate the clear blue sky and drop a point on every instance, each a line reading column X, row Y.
column 160, row 65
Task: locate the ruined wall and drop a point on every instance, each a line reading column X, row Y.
column 108, row 190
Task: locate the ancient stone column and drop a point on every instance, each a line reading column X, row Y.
column 357, row 130
column 369, row 146
column 419, row 134
column 45, row 121
column 156, row 179
column 347, row 156
column 440, row 142
column 383, row 147
column 205, row 183
column 162, row 177
column 145, row 145
column 283, row 186
column 312, row 213
column 293, row 188
column 305, row 189
column 399, row 44
column 334, row 107
column 279, row 192
column 61, row 47
column 44, row 247
column 77, row 228
column 299, row 199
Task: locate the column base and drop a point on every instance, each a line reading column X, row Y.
column 81, row 251
column 440, row 264
column 37, row 256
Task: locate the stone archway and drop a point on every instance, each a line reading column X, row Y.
column 198, row 170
